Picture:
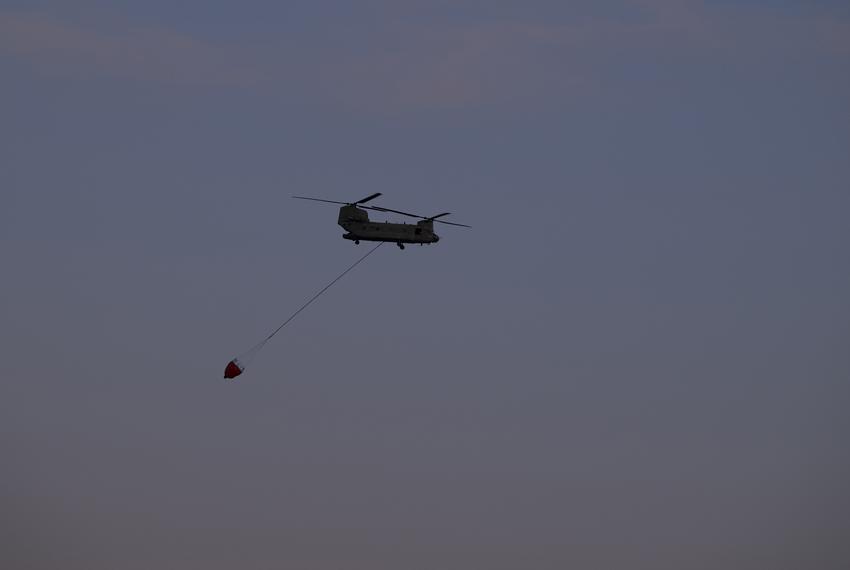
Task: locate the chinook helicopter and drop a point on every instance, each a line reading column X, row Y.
column 354, row 219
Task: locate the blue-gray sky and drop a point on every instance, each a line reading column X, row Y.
column 638, row 357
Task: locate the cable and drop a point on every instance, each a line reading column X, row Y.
column 319, row 294
column 239, row 363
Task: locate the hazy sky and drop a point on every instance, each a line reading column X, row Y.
column 639, row 357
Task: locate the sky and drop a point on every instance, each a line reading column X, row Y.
column 636, row 357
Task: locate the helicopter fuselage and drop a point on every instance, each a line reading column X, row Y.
column 355, row 221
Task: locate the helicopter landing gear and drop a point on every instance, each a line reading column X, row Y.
column 400, row 245
column 357, row 242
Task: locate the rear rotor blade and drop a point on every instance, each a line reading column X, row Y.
column 320, row 200
column 363, row 201
column 359, row 204
column 453, row 224
column 382, row 209
column 367, row 198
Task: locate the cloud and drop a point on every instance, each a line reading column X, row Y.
column 415, row 65
column 491, row 63
column 408, row 65
column 834, row 36
column 165, row 56
column 424, row 63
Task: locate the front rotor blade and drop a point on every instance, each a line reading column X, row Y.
column 434, row 218
column 320, row 200
column 367, row 198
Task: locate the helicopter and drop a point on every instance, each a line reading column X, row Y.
column 354, row 219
